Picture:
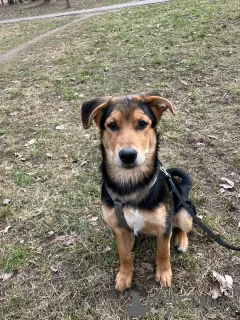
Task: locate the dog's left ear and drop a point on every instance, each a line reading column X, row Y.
column 158, row 104
column 93, row 110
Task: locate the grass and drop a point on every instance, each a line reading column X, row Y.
column 37, row 8
column 187, row 51
column 12, row 35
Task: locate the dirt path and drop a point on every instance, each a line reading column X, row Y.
column 86, row 11
column 8, row 56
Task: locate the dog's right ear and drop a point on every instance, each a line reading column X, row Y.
column 93, row 110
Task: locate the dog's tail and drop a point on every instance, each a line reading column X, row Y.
column 185, row 182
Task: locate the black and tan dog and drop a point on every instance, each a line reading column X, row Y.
column 132, row 177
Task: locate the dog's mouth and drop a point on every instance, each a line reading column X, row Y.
column 129, row 166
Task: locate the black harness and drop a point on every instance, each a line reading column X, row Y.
column 185, row 202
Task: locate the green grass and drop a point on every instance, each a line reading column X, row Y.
column 16, row 257
column 23, row 178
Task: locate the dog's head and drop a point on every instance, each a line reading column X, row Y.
column 128, row 126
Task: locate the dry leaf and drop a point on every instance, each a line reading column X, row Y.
column 107, row 249
column 30, row 142
column 6, row 201
column 49, row 155
column 6, row 229
column 183, row 82
column 54, row 269
column 93, row 219
column 39, row 250
column 230, row 182
column 67, row 240
column 146, row 266
column 212, row 137
column 5, row 276
column 223, row 285
column 215, row 292
column 61, row 127
column 226, row 186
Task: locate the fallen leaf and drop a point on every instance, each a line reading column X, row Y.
column 183, row 82
column 146, row 266
column 5, row 276
column 61, row 127
column 49, row 155
column 39, row 250
column 6, row 201
column 6, row 229
column 223, row 286
column 67, row 240
column 230, row 182
column 93, row 219
column 30, row 142
column 226, row 186
column 54, row 268
column 215, row 292
column 107, row 249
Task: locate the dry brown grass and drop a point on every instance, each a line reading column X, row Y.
column 188, row 50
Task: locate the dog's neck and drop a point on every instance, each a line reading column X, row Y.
column 131, row 189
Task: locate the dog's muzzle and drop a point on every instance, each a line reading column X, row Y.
column 128, row 156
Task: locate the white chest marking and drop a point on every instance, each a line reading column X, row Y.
column 134, row 220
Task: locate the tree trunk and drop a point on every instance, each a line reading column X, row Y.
column 68, row 4
column 10, row 2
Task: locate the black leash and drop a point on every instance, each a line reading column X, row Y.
column 192, row 211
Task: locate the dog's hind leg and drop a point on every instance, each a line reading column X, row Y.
column 125, row 241
column 183, row 222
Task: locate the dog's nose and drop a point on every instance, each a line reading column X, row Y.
column 128, row 155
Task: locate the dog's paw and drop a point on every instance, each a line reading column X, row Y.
column 164, row 277
column 123, row 281
column 181, row 242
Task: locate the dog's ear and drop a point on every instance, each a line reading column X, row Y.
column 158, row 104
column 93, row 109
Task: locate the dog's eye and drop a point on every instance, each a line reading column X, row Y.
column 113, row 126
column 142, row 125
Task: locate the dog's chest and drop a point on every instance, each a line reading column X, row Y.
column 134, row 219
column 145, row 222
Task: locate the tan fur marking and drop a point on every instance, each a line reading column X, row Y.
column 125, row 242
column 181, row 241
column 183, row 220
column 163, row 265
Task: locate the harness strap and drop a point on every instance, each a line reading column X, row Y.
column 118, row 206
column 192, row 211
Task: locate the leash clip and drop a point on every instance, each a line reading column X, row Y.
column 165, row 172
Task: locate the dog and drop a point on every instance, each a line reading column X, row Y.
column 135, row 195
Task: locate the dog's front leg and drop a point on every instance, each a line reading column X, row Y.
column 125, row 242
column 163, row 265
